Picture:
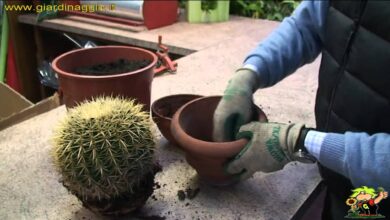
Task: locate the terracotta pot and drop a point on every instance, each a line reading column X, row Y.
column 163, row 110
column 192, row 127
column 75, row 88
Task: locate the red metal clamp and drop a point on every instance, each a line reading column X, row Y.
column 164, row 62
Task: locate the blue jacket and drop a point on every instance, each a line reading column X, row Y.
column 298, row 40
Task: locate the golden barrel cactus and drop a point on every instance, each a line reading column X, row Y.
column 104, row 150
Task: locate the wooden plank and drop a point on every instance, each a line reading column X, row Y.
column 182, row 38
column 103, row 30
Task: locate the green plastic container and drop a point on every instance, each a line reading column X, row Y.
column 195, row 14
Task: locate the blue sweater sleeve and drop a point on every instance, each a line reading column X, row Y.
column 297, row 41
column 364, row 159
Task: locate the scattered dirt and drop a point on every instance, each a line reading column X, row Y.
column 191, row 193
column 157, row 185
column 181, row 195
column 117, row 67
column 187, row 193
column 152, row 217
column 141, row 215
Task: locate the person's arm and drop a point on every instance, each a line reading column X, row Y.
column 297, row 41
column 381, row 195
column 362, row 158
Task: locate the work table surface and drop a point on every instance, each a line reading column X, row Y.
column 29, row 183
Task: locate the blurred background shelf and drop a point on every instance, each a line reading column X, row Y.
column 182, row 38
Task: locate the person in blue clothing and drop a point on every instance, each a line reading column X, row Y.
column 351, row 141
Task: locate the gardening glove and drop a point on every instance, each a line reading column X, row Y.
column 235, row 107
column 270, row 147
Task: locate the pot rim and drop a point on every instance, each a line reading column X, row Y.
column 157, row 101
column 79, row 76
column 205, row 148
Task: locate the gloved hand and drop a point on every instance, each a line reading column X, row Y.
column 270, row 147
column 235, row 107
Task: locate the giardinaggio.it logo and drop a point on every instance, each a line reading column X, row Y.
column 364, row 203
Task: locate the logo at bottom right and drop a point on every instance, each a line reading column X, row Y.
column 364, row 203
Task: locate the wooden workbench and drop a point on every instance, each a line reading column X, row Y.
column 29, row 185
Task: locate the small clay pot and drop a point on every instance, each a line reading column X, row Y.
column 192, row 128
column 163, row 110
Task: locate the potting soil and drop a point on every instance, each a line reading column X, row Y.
column 117, row 67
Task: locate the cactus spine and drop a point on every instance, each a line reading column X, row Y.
column 104, row 147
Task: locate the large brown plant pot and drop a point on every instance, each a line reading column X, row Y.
column 163, row 110
column 192, row 128
column 75, row 88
